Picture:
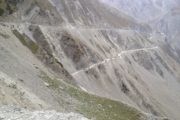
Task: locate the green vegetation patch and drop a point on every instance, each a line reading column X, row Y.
column 1, row 11
column 92, row 106
column 54, row 84
column 26, row 41
column 8, row 6
column 102, row 108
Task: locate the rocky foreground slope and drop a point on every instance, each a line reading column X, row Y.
column 67, row 56
column 11, row 112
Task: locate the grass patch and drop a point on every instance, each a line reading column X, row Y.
column 2, row 4
column 26, row 41
column 8, row 7
column 54, row 84
column 102, row 108
column 93, row 106
column 1, row 11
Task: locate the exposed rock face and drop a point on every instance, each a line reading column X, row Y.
column 110, row 55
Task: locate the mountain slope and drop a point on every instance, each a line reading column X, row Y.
column 30, row 84
column 75, row 59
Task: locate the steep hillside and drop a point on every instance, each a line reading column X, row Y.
column 168, row 25
column 27, row 81
column 143, row 10
column 162, row 16
column 86, row 58
column 121, row 65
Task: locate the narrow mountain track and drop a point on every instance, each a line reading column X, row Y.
column 119, row 56
column 65, row 26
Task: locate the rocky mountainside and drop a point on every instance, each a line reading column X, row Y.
column 87, row 58
column 162, row 16
column 144, row 10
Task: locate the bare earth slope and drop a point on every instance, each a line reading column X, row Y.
column 30, row 83
column 87, row 58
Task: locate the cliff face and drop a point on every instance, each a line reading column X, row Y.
column 63, row 51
